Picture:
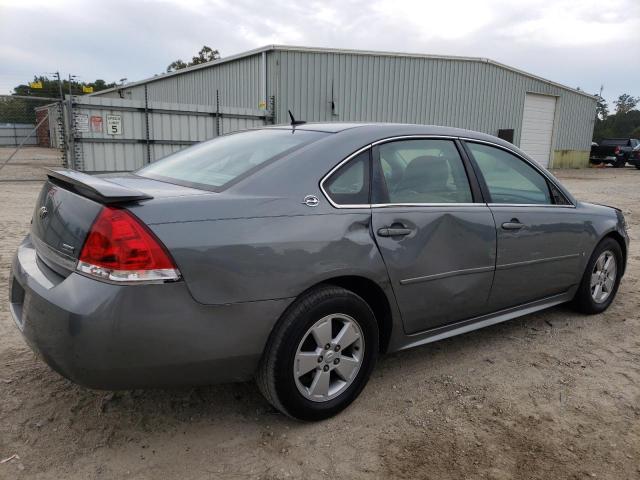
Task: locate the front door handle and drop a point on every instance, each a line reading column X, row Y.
column 513, row 224
column 393, row 232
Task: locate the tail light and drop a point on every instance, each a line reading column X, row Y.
column 616, row 150
column 119, row 248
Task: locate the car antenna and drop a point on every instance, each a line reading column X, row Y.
column 295, row 122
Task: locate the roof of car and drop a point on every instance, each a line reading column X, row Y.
column 385, row 128
column 329, row 127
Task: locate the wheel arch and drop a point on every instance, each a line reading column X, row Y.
column 374, row 296
column 614, row 234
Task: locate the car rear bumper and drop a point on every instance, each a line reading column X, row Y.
column 117, row 336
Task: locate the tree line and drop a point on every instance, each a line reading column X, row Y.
column 623, row 123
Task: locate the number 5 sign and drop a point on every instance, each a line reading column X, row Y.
column 114, row 124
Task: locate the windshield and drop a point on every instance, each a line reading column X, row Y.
column 215, row 163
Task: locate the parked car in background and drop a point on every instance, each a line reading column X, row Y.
column 616, row 151
column 298, row 254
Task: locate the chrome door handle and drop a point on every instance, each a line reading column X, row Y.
column 514, row 224
column 393, row 232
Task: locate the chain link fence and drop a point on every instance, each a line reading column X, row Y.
column 31, row 138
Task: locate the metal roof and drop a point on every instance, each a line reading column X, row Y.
column 293, row 48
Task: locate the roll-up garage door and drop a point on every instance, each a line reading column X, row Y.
column 537, row 127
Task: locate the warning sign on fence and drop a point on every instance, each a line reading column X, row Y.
column 114, row 124
column 82, row 122
column 96, row 123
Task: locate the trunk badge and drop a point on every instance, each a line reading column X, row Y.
column 43, row 212
column 311, row 201
column 68, row 247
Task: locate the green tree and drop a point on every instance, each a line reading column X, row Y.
column 626, row 103
column 20, row 110
column 50, row 87
column 602, row 109
column 206, row 54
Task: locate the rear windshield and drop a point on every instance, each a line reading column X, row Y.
column 216, row 163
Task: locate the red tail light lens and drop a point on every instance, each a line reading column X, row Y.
column 120, row 248
column 617, row 150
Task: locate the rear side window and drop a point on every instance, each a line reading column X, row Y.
column 349, row 185
column 216, row 163
column 510, row 179
column 422, row 171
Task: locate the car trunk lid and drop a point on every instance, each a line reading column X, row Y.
column 69, row 203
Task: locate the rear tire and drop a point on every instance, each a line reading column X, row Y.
column 600, row 280
column 304, row 379
column 620, row 163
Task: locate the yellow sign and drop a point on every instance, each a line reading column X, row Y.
column 262, row 105
column 37, row 84
column 86, row 89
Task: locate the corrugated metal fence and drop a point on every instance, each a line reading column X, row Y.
column 13, row 134
column 110, row 134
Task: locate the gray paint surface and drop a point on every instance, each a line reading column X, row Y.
column 248, row 251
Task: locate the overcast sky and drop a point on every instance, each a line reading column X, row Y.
column 585, row 43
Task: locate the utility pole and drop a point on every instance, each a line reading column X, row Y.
column 71, row 78
column 57, row 75
column 71, row 143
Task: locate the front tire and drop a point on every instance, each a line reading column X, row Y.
column 620, row 163
column 320, row 355
column 601, row 278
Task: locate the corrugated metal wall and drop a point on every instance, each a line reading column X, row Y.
column 238, row 83
column 13, row 134
column 171, row 127
column 465, row 93
column 468, row 94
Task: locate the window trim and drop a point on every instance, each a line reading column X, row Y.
column 366, row 178
column 466, row 157
column 537, row 168
column 335, row 169
column 474, row 188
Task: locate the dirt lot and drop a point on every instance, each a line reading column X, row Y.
column 552, row 395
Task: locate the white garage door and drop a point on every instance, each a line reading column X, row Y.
column 537, row 127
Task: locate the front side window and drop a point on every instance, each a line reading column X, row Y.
column 216, row 163
column 422, row 171
column 508, row 178
column 349, row 185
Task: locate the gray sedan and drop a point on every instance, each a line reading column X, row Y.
column 297, row 255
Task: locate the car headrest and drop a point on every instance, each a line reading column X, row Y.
column 426, row 172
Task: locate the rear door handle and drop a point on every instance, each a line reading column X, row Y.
column 393, row 232
column 514, row 224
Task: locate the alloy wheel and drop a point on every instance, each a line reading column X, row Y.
column 328, row 357
column 603, row 276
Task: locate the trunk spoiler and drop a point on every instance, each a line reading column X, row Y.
column 95, row 188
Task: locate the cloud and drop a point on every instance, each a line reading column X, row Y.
column 582, row 43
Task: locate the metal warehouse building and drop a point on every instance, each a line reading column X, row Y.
column 552, row 122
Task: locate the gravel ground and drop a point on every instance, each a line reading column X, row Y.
column 551, row 395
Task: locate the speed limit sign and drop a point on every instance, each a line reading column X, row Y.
column 114, row 124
